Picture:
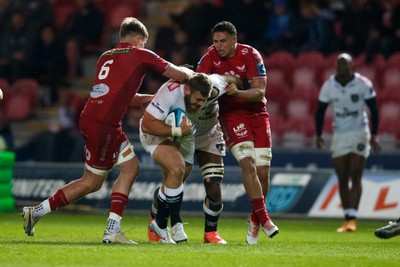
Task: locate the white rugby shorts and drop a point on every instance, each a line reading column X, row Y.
column 351, row 142
column 211, row 141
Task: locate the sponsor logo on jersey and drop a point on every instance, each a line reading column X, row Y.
column 261, row 68
column 240, row 130
column 171, row 87
column 99, row 90
column 241, row 68
column 346, row 114
column 156, row 105
column 116, row 51
column 217, row 64
column 244, row 51
column 231, row 72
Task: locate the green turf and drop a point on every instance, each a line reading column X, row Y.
column 75, row 240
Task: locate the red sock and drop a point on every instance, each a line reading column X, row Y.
column 118, row 203
column 260, row 210
column 58, row 200
column 254, row 217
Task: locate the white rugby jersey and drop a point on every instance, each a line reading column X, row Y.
column 348, row 102
column 170, row 96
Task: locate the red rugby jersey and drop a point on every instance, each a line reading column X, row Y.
column 246, row 64
column 119, row 74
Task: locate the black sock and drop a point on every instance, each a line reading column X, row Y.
column 162, row 213
column 174, row 204
column 154, row 205
column 211, row 222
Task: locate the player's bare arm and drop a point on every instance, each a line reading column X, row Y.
column 254, row 94
column 229, row 79
column 233, row 79
column 180, row 74
column 141, row 100
column 154, row 126
column 1, row 94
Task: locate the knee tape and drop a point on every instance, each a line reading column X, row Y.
column 125, row 154
column 212, row 170
column 243, row 150
column 263, row 156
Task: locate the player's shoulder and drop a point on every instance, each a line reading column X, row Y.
column 247, row 51
column 211, row 52
column 361, row 79
column 330, row 83
column 171, row 87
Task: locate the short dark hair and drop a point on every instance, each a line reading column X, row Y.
column 225, row 26
column 132, row 26
column 200, row 82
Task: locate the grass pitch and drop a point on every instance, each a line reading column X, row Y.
column 75, row 240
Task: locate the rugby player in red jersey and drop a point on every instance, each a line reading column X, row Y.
column 119, row 74
column 244, row 119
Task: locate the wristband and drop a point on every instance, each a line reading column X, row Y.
column 176, row 131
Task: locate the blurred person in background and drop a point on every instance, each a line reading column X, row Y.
column 13, row 48
column 86, row 27
column 349, row 93
column 361, row 20
column 48, row 62
column 278, row 34
column 119, row 75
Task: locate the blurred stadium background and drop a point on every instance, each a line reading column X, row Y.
column 47, row 59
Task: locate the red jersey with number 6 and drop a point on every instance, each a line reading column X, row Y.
column 119, row 74
column 246, row 64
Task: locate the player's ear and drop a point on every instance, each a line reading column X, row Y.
column 186, row 89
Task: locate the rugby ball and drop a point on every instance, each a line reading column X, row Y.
column 174, row 118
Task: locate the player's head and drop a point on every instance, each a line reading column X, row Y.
column 133, row 28
column 197, row 91
column 344, row 66
column 224, row 37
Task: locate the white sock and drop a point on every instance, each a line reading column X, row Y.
column 41, row 210
column 351, row 212
column 114, row 223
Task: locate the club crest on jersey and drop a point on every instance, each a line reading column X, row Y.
column 354, row 98
column 220, row 147
column 360, row 147
column 244, row 51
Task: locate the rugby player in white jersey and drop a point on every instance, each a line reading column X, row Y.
column 349, row 92
column 208, row 145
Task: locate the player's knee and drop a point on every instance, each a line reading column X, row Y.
column 213, row 190
column 263, row 156
column 177, row 172
column 244, row 152
column 212, row 175
column 90, row 186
